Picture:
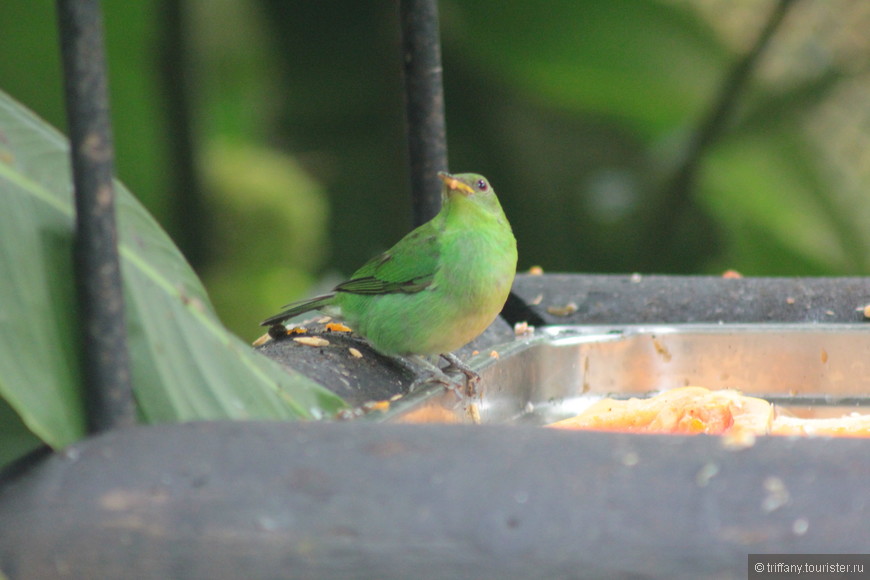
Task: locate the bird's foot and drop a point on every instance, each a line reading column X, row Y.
column 433, row 374
column 471, row 377
column 430, row 374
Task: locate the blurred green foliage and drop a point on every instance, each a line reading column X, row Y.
column 581, row 114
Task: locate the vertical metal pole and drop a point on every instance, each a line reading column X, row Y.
column 424, row 91
column 105, row 360
column 191, row 235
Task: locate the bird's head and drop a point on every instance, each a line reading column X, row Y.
column 468, row 184
column 469, row 190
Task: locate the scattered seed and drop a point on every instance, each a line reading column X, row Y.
column 337, row 327
column 312, row 341
column 376, row 406
column 522, row 328
column 474, row 413
column 566, row 310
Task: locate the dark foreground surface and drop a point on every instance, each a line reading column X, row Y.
column 359, row 500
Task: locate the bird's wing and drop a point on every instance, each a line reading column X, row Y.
column 407, row 267
column 295, row 308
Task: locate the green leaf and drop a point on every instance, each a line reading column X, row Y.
column 186, row 366
column 16, row 439
column 652, row 64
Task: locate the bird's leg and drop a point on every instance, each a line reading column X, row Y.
column 471, row 377
column 430, row 373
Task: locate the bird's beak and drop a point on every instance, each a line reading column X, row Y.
column 455, row 184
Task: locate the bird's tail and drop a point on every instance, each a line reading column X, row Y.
column 296, row 308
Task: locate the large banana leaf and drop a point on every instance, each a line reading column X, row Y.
column 186, row 366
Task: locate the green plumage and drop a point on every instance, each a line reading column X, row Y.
column 440, row 286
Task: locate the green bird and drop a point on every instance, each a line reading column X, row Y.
column 439, row 287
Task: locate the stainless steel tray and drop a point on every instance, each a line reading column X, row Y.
column 813, row 370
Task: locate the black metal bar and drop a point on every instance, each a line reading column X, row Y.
column 105, row 360
column 191, row 235
column 424, row 93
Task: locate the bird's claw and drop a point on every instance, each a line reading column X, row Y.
column 471, row 377
column 438, row 377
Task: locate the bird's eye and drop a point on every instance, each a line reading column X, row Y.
column 482, row 185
